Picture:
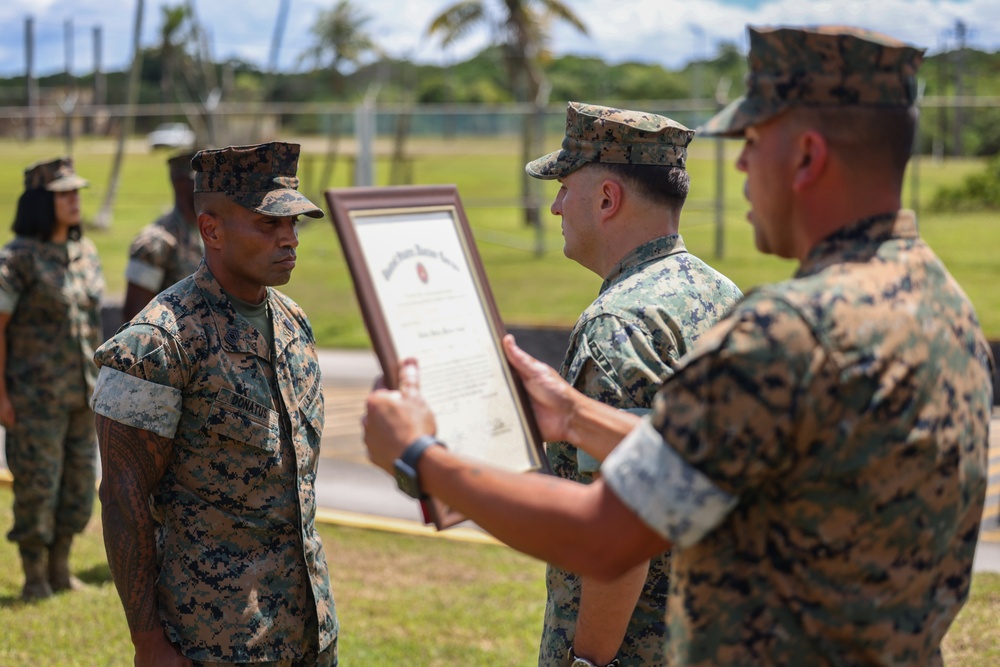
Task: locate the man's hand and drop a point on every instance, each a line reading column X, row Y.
column 551, row 396
column 153, row 649
column 394, row 419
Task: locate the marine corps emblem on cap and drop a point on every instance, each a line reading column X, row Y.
column 259, row 177
column 54, row 175
column 180, row 166
column 614, row 136
column 826, row 66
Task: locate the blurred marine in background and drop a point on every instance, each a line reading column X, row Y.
column 168, row 249
column 51, row 286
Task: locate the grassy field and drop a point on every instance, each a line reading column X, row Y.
column 486, row 172
column 401, row 599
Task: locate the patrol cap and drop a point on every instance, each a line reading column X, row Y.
column 824, row 66
column 180, row 166
column 613, row 136
column 53, row 175
column 260, row 177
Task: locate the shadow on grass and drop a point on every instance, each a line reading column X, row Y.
column 96, row 576
column 99, row 575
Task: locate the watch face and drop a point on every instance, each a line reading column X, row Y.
column 406, row 479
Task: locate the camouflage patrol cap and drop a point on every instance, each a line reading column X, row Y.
column 180, row 166
column 259, row 177
column 825, row 66
column 53, row 175
column 613, row 136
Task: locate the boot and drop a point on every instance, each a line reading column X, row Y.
column 60, row 578
column 36, row 583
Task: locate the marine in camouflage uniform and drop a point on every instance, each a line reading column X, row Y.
column 234, row 388
column 169, row 249
column 654, row 303
column 819, row 460
column 50, row 298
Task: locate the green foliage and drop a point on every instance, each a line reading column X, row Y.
column 978, row 191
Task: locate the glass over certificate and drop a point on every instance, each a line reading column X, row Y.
column 423, row 294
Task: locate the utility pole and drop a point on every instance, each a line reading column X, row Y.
column 69, row 100
column 960, row 36
column 100, row 86
column 31, row 84
column 721, row 97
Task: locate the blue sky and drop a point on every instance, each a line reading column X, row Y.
column 670, row 32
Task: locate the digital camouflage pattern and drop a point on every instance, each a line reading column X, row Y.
column 53, row 175
column 260, row 177
column 614, row 136
column 164, row 252
column 52, row 292
column 826, row 66
column 655, row 303
column 845, row 412
column 241, row 559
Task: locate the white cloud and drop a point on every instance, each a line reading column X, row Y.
column 670, row 32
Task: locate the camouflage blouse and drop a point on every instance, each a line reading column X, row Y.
column 53, row 294
column 656, row 302
column 819, row 462
column 242, row 563
column 164, row 252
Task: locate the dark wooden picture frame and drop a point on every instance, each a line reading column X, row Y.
column 350, row 207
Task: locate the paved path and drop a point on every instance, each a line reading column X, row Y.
column 351, row 490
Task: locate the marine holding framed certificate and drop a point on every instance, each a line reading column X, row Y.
column 423, row 294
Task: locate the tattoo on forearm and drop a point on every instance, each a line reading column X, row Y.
column 133, row 461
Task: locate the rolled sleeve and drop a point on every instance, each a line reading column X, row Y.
column 8, row 299
column 144, row 274
column 672, row 497
column 136, row 402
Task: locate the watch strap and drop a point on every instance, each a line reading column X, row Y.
column 407, row 478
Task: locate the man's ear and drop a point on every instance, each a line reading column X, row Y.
column 611, row 198
column 811, row 159
column 210, row 226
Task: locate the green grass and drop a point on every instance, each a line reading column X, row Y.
column 486, row 172
column 401, row 600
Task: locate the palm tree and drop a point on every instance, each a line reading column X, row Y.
column 521, row 29
column 340, row 39
column 171, row 47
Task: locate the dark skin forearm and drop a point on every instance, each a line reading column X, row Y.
column 132, row 462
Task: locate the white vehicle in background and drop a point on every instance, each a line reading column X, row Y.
column 171, row 135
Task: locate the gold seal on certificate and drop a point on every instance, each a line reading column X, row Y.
column 423, row 294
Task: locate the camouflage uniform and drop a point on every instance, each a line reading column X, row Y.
column 818, row 460
column 652, row 306
column 655, row 304
column 169, row 249
column 52, row 292
column 243, row 576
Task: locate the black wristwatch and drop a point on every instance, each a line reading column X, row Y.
column 573, row 660
column 407, row 478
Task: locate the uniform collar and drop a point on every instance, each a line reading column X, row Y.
column 235, row 332
column 638, row 257
column 858, row 239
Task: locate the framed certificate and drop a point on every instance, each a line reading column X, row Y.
column 423, row 294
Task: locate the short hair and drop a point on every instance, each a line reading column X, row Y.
column 866, row 136
column 667, row 185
